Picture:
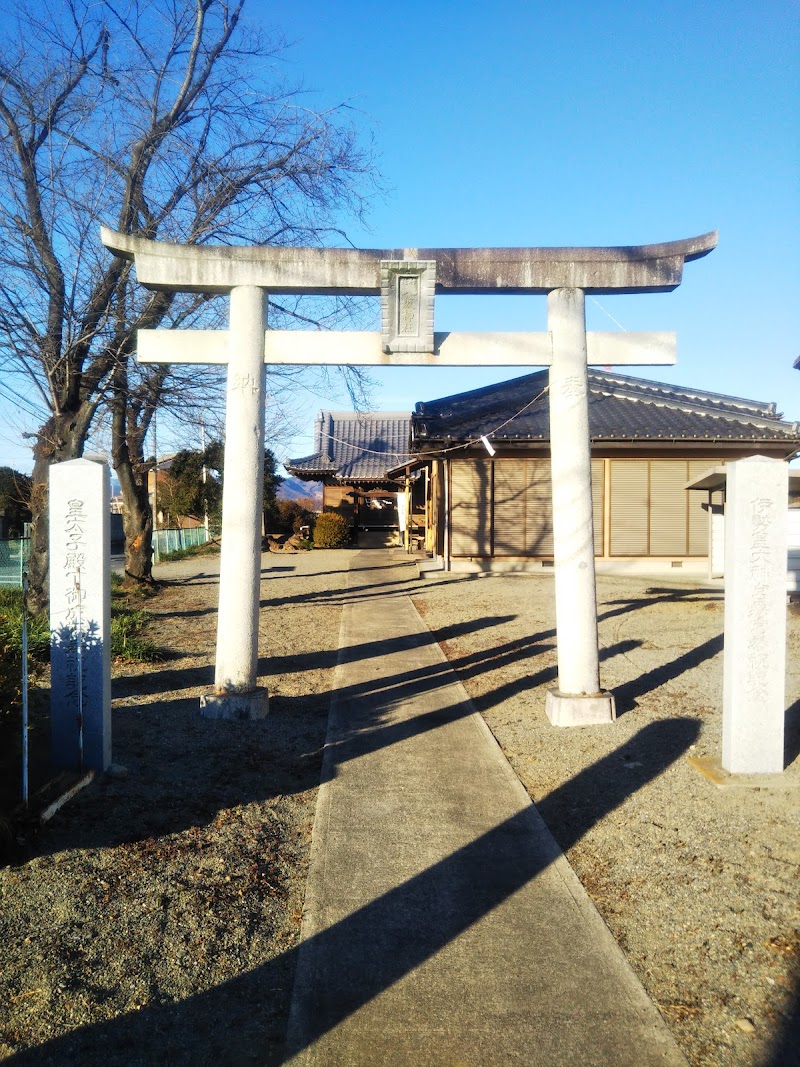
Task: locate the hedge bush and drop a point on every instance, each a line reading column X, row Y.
column 294, row 514
column 331, row 531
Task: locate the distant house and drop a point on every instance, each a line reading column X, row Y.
column 352, row 453
column 648, row 440
column 159, row 494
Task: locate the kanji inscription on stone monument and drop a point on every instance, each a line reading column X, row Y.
column 407, row 294
column 754, row 668
column 80, row 615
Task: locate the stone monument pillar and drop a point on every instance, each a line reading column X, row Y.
column 754, row 668
column 235, row 694
column 80, row 615
column 578, row 700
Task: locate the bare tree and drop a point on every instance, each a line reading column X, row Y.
column 165, row 118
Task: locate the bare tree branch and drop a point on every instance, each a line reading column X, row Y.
column 164, row 117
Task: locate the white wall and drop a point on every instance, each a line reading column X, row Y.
column 793, row 539
column 717, row 538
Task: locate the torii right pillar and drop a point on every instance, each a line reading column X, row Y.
column 578, row 700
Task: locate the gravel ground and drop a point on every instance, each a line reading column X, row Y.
column 161, row 910
column 699, row 885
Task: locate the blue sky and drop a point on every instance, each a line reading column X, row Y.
column 585, row 123
column 574, row 124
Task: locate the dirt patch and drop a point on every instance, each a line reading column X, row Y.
column 161, row 911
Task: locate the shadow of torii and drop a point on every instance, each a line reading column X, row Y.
column 377, row 942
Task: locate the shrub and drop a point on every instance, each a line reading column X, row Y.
column 293, row 514
column 331, row 531
column 11, row 647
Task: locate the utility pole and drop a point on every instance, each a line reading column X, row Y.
column 205, row 495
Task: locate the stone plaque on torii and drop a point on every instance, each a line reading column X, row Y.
column 407, row 281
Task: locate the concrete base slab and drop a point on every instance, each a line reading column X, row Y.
column 678, row 570
column 711, row 768
column 565, row 709
column 429, row 566
column 235, row 706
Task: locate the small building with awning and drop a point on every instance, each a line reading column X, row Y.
column 353, row 452
column 712, row 483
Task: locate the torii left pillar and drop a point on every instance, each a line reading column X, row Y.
column 236, row 694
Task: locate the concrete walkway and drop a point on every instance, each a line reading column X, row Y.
column 442, row 923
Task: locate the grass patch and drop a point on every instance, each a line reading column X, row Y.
column 11, row 628
column 129, row 621
column 11, row 649
column 210, row 548
column 128, row 636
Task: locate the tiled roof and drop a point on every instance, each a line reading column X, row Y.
column 353, row 446
column 621, row 408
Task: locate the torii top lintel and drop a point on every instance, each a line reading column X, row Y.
column 654, row 268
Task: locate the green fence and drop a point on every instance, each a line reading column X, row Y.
column 165, row 541
column 14, row 557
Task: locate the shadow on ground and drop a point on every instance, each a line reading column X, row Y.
column 786, row 1048
column 282, row 754
column 225, row 1024
column 792, row 733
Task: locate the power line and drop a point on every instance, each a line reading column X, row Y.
column 439, row 451
column 16, row 398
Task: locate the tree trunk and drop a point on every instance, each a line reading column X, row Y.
column 137, row 521
column 127, row 453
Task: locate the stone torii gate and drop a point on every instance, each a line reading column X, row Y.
column 407, row 281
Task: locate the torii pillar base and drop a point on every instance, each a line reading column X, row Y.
column 567, row 709
column 236, row 707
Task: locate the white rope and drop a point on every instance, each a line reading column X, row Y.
column 490, row 433
column 607, row 312
column 360, row 448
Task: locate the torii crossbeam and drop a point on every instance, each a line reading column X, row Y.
column 407, row 281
